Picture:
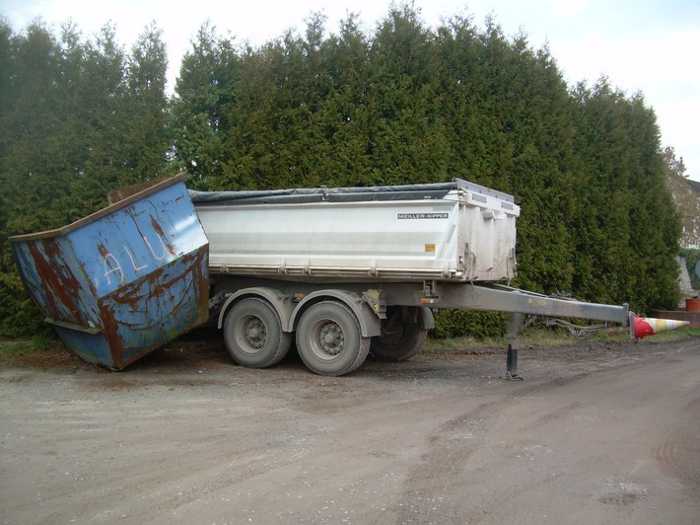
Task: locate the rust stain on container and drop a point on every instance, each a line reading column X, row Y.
column 56, row 286
column 110, row 331
column 157, row 228
column 124, row 280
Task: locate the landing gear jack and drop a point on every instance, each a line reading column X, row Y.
column 514, row 328
column 512, row 365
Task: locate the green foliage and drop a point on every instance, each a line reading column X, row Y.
column 456, row 323
column 692, row 257
column 20, row 316
column 402, row 104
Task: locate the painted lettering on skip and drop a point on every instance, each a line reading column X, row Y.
column 132, row 258
column 163, row 254
column 112, row 266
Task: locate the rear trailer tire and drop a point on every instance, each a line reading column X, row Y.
column 402, row 335
column 253, row 334
column 329, row 339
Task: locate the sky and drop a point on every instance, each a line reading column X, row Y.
column 641, row 45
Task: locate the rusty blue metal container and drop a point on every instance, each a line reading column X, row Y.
column 122, row 281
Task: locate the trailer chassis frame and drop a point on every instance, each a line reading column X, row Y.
column 373, row 297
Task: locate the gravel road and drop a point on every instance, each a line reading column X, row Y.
column 595, row 434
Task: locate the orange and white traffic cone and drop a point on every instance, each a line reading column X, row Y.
column 641, row 327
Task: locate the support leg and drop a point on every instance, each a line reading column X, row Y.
column 515, row 326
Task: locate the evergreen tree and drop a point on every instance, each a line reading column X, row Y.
column 204, row 89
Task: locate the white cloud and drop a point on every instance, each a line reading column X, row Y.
column 567, row 8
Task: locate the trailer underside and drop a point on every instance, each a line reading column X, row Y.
column 392, row 316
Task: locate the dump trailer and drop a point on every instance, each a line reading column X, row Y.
column 349, row 271
column 344, row 271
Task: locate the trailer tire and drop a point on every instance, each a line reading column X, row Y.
column 329, row 339
column 253, row 334
column 403, row 336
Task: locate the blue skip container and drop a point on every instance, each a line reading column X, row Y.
column 125, row 280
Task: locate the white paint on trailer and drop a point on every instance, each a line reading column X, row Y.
column 464, row 236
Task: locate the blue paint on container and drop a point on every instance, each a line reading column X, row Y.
column 124, row 280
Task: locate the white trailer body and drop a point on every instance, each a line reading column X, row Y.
column 456, row 231
column 349, row 271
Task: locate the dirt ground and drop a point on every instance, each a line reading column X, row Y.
column 595, row 434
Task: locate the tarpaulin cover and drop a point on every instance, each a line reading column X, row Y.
column 352, row 194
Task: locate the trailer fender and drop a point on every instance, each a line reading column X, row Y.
column 370, row 324
column 281, row 303
column 426, row 318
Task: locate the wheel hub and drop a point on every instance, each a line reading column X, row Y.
column 255, row 332
column 331, row 338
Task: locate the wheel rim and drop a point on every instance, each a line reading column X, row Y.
column 328, row 339
column 251, row 334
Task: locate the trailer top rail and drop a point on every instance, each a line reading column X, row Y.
column 350, row 194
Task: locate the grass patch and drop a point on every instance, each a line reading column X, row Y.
column 674, row 335
column 14, row 350
column 549, row 338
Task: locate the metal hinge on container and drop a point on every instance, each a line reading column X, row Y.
column 512, row 264
column 467, row 262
